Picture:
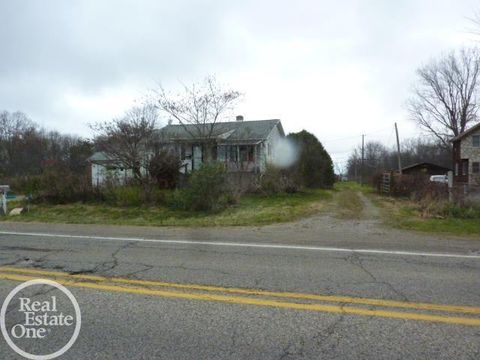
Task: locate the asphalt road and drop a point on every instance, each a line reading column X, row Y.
column 296, row 292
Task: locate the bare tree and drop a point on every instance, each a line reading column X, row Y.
column 445, row 100
column 14, row 124
column 128, row 140
column 375, row 160
column 422, row 149
column 201, row 105
column 26, row 149
column 21, row 145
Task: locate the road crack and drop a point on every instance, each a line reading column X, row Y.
column 354, row 259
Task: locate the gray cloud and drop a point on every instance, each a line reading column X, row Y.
column 91, row 43
column 315, row 64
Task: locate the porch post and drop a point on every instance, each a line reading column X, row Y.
column 255, row 158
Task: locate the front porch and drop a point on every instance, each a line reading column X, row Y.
column 236, row 157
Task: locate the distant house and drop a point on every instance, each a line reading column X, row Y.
column 425, row 168
column 466, row 156
column 103, row 168
column 244, row 147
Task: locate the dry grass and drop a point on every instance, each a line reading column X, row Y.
column 410, row 215
column 347, row 202
column 251, row 210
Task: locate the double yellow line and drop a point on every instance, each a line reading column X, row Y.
column 288, row 300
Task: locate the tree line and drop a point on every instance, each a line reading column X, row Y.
column 378, row 157
column 26, row 149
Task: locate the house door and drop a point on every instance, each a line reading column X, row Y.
column 197, row 157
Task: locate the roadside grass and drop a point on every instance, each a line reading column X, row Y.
column 251, row 210
column 256, row 210
column 406, row 214
column 347, row 202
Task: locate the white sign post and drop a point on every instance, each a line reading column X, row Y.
column 4, row 204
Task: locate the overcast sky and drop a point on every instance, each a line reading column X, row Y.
column 336, row 68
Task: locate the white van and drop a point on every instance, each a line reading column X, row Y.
column 439, row 178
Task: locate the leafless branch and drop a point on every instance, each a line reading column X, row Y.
column 127, row 140
column 202, row 105
column 445, row 100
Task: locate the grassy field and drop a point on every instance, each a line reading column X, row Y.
column 408, row 215
column 250, row 210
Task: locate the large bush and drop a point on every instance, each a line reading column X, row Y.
column 24, row 184
column 314, row 167
column 207, row 190
column 275, row 180
column 164, row 169
column 59, row 185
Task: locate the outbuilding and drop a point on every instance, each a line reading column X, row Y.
column 425, row 168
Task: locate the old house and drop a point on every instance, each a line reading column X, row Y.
column 466, row 156
column 244, row 147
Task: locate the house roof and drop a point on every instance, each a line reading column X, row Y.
column 99, row 156
column 425, row 164
column 232, row 131
column 466, row 132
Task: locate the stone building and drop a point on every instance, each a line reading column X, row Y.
column 466, row 157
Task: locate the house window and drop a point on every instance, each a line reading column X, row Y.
column 246, row 153
column 476, row 140
column 456, row 169
column 476, row 168
column 232, row 153
column 251, row 153
column 243, row 153
column 464, row 167
column 214, row 153
column 185, row 151
column 222, row 152
column 182, row 152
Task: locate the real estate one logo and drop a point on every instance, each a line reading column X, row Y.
column 40, row 319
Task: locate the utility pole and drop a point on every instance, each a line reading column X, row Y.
column 398, row 151
column 363, row 158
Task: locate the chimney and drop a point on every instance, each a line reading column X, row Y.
column 239, row 118
column 170, row 121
